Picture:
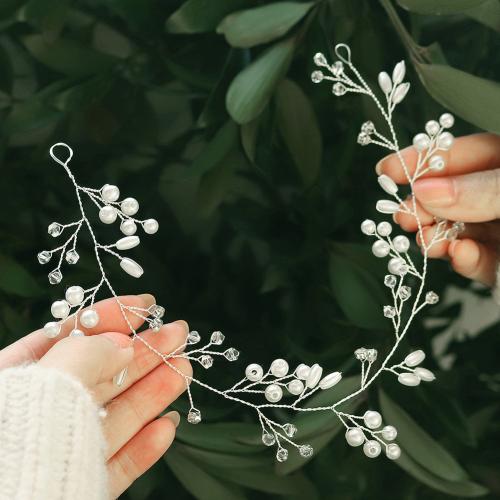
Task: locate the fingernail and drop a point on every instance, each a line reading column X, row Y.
column 174, row 417
column 119, row 339
column 378, row 167
column 182, row 323
column 437, row 192
column 147, row 299
column 120, row 377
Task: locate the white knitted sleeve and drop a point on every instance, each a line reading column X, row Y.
column 51, row 442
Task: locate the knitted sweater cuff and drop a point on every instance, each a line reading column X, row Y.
column 50, row 436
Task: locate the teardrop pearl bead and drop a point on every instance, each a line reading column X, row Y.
column 408, row 379
column 314, row 376
column 414, row 358
column 387, row 206
column 387, row 184
column 131, row 267
column 330, row 380
column 127, row 242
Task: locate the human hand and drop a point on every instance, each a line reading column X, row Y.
column 135, row 438
column 467, row 190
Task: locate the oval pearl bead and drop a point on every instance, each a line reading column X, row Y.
column 401, row 243
column 408, row 379
column 254, row 372
column 51, row 329
column 389, row 433
column 387, row 184
column 368, row 227
column 372, row 448
column 414, row 358
column 76, row 333
column 421, row 142
column 381, row 248
column 75, row 295
column 109, row 192
column 131, row 267
column 302, row 371
column 60, row 309
column 399, row 72
column 387, row 206
column 330, row 380
column 314, row 376
column 150, row 226
column 432, row 127
column 108, row 214
column 128, row 227
column 384, row 81
column 273, row 393
column 447, row 120
column 393, row 451
column 129, row 206
column 279, row 368
column 127, row 242
column 436, row 163
column 89, row 318
column 445, row 141
column 400, row 93
column 424, row 374
column 295, row 387
column 384, row 228
column 372, row 419
column 354, row 436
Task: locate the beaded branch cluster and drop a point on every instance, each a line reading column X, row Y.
column 272, row 384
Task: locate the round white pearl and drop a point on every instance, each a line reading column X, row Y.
column 150, row 226
column 295, row 387
column 424, row 374
column 89, row 318
column 436, row 163
column 76, row 333
column 254, row 372
column 51, row 329
column 393, row 451
column 314, row 376
column 445, row 141
column 432, row 127
column 381, row 248
column 372, row 448
column 129, row 206
column 368, row 227
column 389, row 433
column 128, row 227
column 446, row 120
column 108, row 214
column 109, row 192
column 354, row 436
column 60, row 309
column 401, row 243
column 273, row 393
column 302, row 371
column 279, row 368
column 384, row 228
column 421, row 142
column 414, row 358
column 408, row 379
column 372, row 419
column 75, row 295
column 395, row 265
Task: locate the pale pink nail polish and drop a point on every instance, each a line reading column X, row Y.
column 438, row 192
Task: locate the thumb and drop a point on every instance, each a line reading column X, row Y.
column 468, row 198
column 91, row 359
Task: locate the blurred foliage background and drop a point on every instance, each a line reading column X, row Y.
column 204, row 111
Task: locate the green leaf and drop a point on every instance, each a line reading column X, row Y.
column 16, row 280
column 200, row 16
column 419, row 445
column 47, row 15
column 474, row 99
column 251, row 27
column 300, row 130
column 251, row 90
column 488, row 13
column 440, row 6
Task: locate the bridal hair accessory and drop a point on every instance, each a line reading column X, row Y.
column 279, row 383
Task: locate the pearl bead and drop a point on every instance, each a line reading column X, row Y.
column 51, row 329
column 384, row 228
column 76, row 333
column 330, row 380
column 385, row 83
column 432, row 127
column 436, row 163
column 273, row 393
column 128, row 227
column 295, row 387
column 387, row 184
column 393, row 451
column 414, row 358
column 314, row 376
column 355, row 436
column 389, row 433
column 109, row 192
column 131, row 267
column 75, row 295
column 129, row 206
column 399, row 72
column 424, row 374
column 400, row 93
column 108, row 214
column 421, row 142
column 302, row 371
column 445, row 141
column 408, row 379
column 372, row 448
column 372, row 419
column 60, row 309
column 446, row 120
column 387, row 206
column 381, row 248
column 254, row 372
column 401, row 243
column 279, row 368
column 397, row 266
column 368, row 227
column 150, row 226
column 89, row 318
column 127, row 242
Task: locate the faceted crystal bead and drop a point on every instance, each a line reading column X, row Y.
column 317, row 76
column 55, row 277
column 432, row 298
column 282, row 455
column 338, row 68
column 156, row 311
column 389, row 311
column 72, row 257
column 217, row 338
column 363, row 139
column 156, row 324
column 320, row 59
column 290, row 430
column 231, row 354
column 371, row 355
column 368, row 127
column 193, row 337
column 404, row 292
column 268, row 439
column 206, row 361
column 55, row 229
column 390, row 280
column 339, row 89
column 194, row 416
column 360, row 354
column 44, row 257
column 306, row 451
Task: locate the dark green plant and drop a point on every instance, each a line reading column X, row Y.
column 204, row 108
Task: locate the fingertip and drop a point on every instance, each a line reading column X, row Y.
column 147, row 299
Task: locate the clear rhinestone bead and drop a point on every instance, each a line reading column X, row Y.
column 338, row 68
column 290, row 430
column 306, row 451
column 339, row 89
column 364, row 139
column 44, row 257
column 156, row 324
column 404, row 292
column 317, row 76
column 156, row 311
column 368, row 127
column 194, row 416
column 360, row 354
column 389, row 311
column 431, row 298
column 55, row 277
column 72, row 257
column 55, row 229
column 268, row 439
column 371, row 355
column 217, row 338
column 206, row 361
column 390, row 280
column 193, row 337
column 320, row 59
column 282, row 455
column 231, row 354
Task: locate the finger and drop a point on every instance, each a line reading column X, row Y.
column 91, row 359
column 167, row 340
column 470, row 153
column 435, row 250
column 144, row 401
column 408, row 222
column 474, row 260
column 468, row 198
column 140, row 453
column 33, row 346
